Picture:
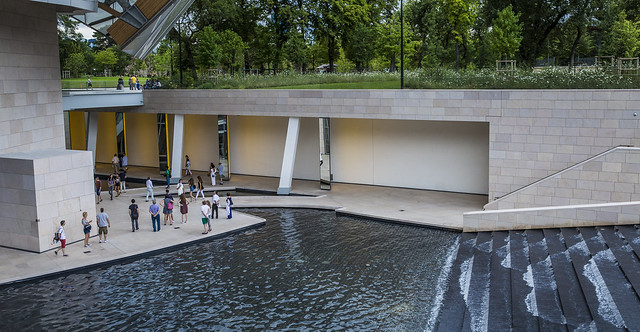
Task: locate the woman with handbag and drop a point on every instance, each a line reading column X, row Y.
column 86, row 228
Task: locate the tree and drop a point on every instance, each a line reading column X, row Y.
column 208, row 51
column 506, row 33
column 623, row 39
column 461, row 15
column 105, row 60
column 359, row 46
column 232, row 50
column 76, row 64
column 297, row 51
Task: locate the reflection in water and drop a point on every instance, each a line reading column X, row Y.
column 305, row 270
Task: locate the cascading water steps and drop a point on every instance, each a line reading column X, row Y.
column 568, row 279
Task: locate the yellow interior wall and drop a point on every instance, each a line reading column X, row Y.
column 77, row 130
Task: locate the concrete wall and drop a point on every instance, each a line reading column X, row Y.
column 41, row 188
column 30, row 100
column 609, row 177
column 40, row 182
column 627, row 213
column 532, row 133
column 435, row 155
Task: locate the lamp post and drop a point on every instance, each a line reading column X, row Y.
column 401, row 47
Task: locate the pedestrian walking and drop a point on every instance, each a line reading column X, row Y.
column 187, row 166
column 62, row 237
column 180, row 188
column 115, row 163
column 229, row 206
column 212, row 174
column 192, row 188
column 116, row 184
column 184, row 209
column 86, row 228
column 89, row 83
column 149, row 190
column 123, row 179
column 200, row 188
column 120, row 83
column 111, row 183
column 221, row 172
column 134, row 212
column 204, row 210
column 154, row 210
column 98, row 185
column 215, row 202
column 125, row 161
column 167, row 173
column 103, row 225
column 167, row 208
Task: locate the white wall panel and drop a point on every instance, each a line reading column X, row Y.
column 257, row 146
column 448, row 156
column 142, row 139
column 200, row 141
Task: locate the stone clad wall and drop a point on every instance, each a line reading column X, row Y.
column 40, row 182
column 533, row 133
column 30, row 100
column 610, row 177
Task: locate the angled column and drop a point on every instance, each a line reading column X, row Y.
column 92, row 134
column 176, row 149
column 289, row 158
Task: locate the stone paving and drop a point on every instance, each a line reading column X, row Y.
column 435, row 209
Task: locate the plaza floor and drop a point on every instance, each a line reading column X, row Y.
column 427, row 208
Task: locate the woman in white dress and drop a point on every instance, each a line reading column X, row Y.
column 212, row 174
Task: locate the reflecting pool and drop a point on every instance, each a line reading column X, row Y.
column 304, row 270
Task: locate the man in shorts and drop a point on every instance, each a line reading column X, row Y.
column 103, row 224
column 98, row 185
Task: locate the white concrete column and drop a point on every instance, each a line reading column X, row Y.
column 92, row 134
column 289, row 158
column 176, row 150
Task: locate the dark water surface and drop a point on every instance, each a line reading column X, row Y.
column 305, row 270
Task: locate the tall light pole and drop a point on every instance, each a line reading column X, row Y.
column 401, row 47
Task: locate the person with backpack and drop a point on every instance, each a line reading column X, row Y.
column 62, row 237
column 134, row 213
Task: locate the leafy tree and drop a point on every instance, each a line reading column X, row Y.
column 506, row 33
column 232, row 50
column 623, row 39
column 297, row 51
column 208, row 50
column 461, row 15
column 76, row 64
column 359, row 46
column 105, row 60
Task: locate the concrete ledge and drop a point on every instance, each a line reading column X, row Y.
column 624, row 213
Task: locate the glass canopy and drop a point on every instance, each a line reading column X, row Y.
column 137, row 26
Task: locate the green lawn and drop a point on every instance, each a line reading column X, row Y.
column 98, row 82
column 395, row 84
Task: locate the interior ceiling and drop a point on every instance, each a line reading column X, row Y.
column 136, row 25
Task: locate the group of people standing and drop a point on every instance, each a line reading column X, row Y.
column 117, row 183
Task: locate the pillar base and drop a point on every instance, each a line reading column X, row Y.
column 284, row 191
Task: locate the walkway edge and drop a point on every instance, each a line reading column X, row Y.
column 132, row 257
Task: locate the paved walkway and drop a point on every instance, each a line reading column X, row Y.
column 436, row 209
column 423, row 207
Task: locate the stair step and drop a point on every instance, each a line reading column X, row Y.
column 522, row 318
column 580, row 256
column 452, row 315
column 478, row 296
column 626, row 302
column 500, row 292
column 547, row 304
column 572, row 299
column 632, row 236
column 628, row 261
